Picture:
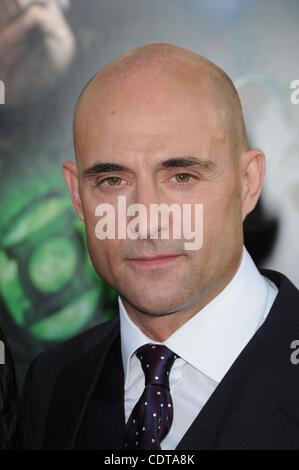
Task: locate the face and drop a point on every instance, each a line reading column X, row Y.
column 155, row 129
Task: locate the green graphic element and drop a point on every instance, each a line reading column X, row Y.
column 53, row 263
column 35, row 219
column 47, row 281
column 69, row 320
column 11, row 289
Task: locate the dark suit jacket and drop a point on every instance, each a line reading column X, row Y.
column 74, row 393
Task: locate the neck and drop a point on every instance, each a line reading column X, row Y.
column 159, row 328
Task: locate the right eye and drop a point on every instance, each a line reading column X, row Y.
column 111, row 181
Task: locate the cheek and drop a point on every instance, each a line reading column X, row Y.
column 222, row 213
column 215, row 213
column 89, row 205
column 104, row 249
column 104, row 256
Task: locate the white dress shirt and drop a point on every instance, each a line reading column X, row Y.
column 208, row 344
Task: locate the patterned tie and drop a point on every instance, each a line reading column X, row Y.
column 151, row 418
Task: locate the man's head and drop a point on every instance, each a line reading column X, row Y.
column 169, row 127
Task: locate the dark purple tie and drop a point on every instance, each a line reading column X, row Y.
column 151, row 418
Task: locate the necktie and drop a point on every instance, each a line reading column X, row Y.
column 151, row 418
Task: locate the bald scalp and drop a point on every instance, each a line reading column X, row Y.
column 180, row 64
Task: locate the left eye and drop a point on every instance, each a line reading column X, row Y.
column 182, row 177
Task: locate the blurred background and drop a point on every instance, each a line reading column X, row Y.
column 48, row 51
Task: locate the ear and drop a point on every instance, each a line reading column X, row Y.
column 252, row 178
column 70, row 171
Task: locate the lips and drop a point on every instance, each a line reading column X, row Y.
column 158, row 260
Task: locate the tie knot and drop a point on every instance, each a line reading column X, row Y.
column 156, row 361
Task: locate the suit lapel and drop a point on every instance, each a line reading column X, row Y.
column 110, row 401
column 205, row 428
column 74, row 388
column 103, row 425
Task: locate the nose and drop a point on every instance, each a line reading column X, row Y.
column 146, row 196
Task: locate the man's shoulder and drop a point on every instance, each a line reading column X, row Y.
column 282, row 323
column 61, row 355
column 286, row 288
column 285, row 308
column 278, row 277
column 44, row 373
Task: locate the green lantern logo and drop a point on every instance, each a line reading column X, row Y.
column 46, row 278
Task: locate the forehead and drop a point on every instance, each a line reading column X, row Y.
column 145, row 113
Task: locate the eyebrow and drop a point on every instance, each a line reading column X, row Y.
column 177, row 162
column 188, row 161
column 99, row 168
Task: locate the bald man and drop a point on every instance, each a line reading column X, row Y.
column 203, row 352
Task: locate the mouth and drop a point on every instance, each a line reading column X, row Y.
column 157, row 261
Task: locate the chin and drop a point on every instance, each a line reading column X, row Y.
column 155, row 303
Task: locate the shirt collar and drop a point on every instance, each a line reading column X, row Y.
column 131, row 338
column 214, row 337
